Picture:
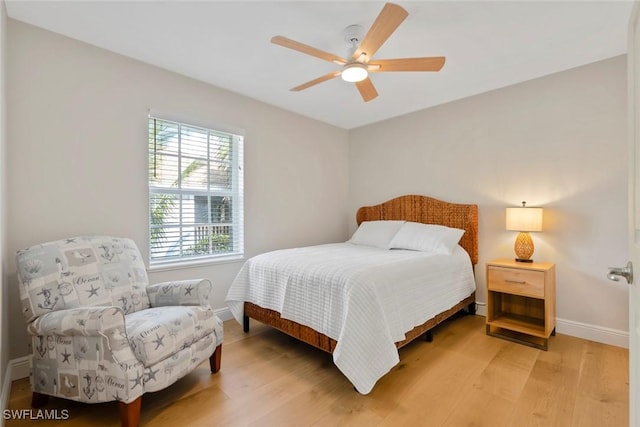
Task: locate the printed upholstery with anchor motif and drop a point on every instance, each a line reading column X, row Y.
column 99, row 331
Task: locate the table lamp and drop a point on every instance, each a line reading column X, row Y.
column 524, row 220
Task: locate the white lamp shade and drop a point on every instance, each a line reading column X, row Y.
column 524, row 219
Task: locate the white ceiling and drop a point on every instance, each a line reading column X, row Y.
column 488, row 45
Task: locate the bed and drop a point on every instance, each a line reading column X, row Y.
column 303, row 291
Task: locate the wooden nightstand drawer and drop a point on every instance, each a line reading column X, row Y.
column 516, row 281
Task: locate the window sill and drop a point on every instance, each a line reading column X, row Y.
column 203, row 262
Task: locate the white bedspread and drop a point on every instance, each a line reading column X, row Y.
column 363, row 297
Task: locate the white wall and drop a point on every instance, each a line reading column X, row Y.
column 76, row 163
column 558, row 142
column 78, row 156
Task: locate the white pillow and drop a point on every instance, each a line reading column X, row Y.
column 376, row 233
column 427, row 238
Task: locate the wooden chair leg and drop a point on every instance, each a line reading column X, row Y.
column 130, row 413
column 216, row 359
column 38, row 400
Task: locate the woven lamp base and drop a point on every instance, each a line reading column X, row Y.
column 523, row 247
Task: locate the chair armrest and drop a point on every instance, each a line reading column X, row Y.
column 85, row 321
column 180, row 292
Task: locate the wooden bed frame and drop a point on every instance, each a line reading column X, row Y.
column 413, row 208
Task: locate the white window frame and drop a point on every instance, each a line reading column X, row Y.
column 181, row 259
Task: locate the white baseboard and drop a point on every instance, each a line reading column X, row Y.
column 585, row 331
column 20, row 367
column 593, row 333
column 224, row 314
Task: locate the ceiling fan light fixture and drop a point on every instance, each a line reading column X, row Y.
column 354, row 72
column 359, row 61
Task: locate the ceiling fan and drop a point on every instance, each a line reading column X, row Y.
column 361, row 62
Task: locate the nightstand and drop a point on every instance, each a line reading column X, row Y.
column 521, row 301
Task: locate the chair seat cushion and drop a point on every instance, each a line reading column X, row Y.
column 157, row 333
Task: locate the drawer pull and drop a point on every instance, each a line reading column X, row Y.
column 520, row 282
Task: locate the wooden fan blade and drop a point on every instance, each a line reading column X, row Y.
column 434, row 63
column 385, row 24
column 314, row 82
column 309, row 50
column 366, row 89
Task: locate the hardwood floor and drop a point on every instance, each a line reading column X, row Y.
column 462, row 378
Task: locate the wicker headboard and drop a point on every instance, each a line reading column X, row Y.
column 428, row 210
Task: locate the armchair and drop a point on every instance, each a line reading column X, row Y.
column 100, row 333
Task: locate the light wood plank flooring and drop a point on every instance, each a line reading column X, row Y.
column 462, row 378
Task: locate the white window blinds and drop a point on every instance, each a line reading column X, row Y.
column 195, row 192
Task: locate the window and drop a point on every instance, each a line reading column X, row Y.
column 195, row 192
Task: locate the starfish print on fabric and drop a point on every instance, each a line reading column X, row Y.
column 66, row 356
column 69, row 241
column 137, row 381
column 158, row 341
column 152, row 374
column 188, row 290
column 93, row 291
